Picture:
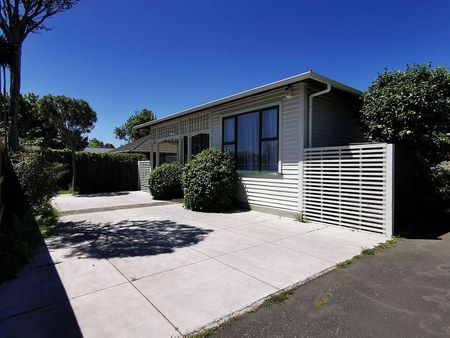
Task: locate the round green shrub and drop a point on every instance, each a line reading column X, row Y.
column 210, row 181
column 164, row 182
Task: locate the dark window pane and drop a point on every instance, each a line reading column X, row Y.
column 200, row 142
column 248, row 141
column 230, row 148
column 228, row 130
column 269, row 155
column 185, row 149
column 270, row 123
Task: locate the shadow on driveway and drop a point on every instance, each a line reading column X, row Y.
column 35, row 304
column 127, row 238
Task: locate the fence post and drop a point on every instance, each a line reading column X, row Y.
column 390, row 170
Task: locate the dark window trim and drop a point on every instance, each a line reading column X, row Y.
column 261, row 139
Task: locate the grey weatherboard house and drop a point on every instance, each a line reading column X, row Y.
column 268, row 129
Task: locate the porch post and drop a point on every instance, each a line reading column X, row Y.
column 151, row 155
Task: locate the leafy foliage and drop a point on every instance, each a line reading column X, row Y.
column 13, row 255
column 126, row 131
column 165, row 181
column 19, row 18
column 116, row 157
column 38, row 178
column 37, row 125
column 441, row 182
column 210, row 181
column 411, row 108
column 96, row 143
column 72, row 118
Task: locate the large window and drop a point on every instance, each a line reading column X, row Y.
column 252, row 138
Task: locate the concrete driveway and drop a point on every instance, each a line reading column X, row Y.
column 163, row 271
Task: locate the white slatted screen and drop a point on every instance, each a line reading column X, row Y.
column 349, row 186
column 144, row 171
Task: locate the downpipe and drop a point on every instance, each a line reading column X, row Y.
column 310, row 111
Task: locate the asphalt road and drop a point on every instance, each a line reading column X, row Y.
column 399, row 292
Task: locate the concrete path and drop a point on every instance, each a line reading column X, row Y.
column 163, row 271
column 115, row 200
column 400, row 292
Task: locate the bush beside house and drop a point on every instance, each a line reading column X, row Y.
column 165, row 181
column 411, row 108
column 210, row 181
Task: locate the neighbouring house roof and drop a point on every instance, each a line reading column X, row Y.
column 143, row 145
column 97, row 150
column 310, row 75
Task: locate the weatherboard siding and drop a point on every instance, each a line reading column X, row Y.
column 270, row 191
column 334, row 121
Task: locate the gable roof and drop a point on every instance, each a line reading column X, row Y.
column 143, row 145
column 309, row 75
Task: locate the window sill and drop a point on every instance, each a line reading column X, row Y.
column 258, row 174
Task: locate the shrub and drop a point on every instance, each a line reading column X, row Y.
column 165, row 181
column 441, row 180
column 13, row 255
column 63, row 157
column 210, row 181
column 410, row 108
column 38, row 178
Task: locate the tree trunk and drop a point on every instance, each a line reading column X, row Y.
column 14, row 98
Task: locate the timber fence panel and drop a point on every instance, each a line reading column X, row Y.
column 350, row 186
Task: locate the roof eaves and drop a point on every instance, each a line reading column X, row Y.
column 273, row 85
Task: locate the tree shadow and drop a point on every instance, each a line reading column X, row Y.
column 125, row 238
column 104, row 194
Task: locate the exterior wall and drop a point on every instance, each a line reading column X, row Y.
column 279, row 191
column 334, row 123
column 334, row 120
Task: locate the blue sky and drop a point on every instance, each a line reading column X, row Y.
column 168, row 55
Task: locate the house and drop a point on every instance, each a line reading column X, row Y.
column 267, row 128
column 97, row 150
column 167, row 149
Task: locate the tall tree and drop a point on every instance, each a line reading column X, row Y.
column 126, row 131
column 73, row 119
column 96, row 143
column 18, row 18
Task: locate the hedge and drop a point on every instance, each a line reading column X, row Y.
column 64, row 157
column 109, row 157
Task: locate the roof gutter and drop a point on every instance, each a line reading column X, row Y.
column 310, row 109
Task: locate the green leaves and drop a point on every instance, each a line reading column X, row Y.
column 126, row 131
column 165, row 181
column 210, row 181
column 410, row 108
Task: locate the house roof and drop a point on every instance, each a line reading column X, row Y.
column 310, row 75
column 97, row 150
column 143, row 145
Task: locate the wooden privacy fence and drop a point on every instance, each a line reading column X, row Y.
column 350, row 186
column 106, row 176
column 144, row 172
